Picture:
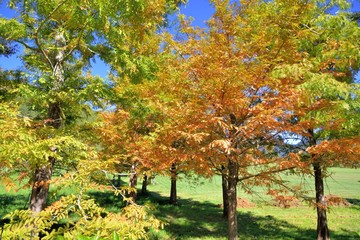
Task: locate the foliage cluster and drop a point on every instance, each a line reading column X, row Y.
column 267, row 87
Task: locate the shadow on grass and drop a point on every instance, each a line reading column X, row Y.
column 192, row 219
column 188, row 219
column 354, row 201
column 9, row 203
column 108, row 200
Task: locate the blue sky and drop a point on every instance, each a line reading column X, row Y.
column 200, row 10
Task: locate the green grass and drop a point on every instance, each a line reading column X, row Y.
column 10, row 201
column 199, row 216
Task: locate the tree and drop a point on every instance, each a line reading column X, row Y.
column 228, row 90
column 329, row 103
column 60, row 38
column 121, row 134
column 241, row 104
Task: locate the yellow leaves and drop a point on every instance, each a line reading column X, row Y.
column 27, row 121
column 131, row 223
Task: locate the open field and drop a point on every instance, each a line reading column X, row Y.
column 198, row 214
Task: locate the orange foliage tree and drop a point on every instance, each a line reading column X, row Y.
column 123, row 135
column 232, row 93
column 226, row 110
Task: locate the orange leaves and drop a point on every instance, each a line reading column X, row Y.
column 345, row 151
column 193, row 138
column 223, row 145
column 233, row 106
column 8, row 182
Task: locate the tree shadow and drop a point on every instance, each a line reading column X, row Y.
column 191, row 219
column 354, row 201
column 9, row 203
column 187, row 219
column 107, row 200
column 269, row 227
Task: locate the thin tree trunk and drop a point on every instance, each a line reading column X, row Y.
column 224, row 193
column 133, row 182
column 232, row 198
column 43, row 173
column 323, row 232
column 173, row 194
column 144, row 185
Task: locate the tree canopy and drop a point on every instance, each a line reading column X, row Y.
column 266, row 87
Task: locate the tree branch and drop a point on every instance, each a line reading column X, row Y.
column 28, row 46
column 263, row 173
column 38, row 29
column 78, row 40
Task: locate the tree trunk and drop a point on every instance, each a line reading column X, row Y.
column 173, row 194
column 232, row 198
column 144, row 185
column 40, row 188
column 323, row 232
column 322, row 227
column 133, row 182
column 224, row 193
column 42, row 176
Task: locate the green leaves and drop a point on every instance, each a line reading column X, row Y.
column 116, row 236
column 11, row 29
column 325, row 86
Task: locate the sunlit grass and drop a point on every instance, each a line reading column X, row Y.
column 199, row 215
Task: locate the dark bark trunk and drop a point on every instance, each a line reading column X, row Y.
column 133, row 182
column 144, row 185
column 232, row 198
column 224, row 193
column 323, row 232
column 173, row 194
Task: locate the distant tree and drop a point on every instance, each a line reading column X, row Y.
column 121, row 134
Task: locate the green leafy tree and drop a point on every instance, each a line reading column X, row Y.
column 329, row 105
column 60, row 38
column 48, row 126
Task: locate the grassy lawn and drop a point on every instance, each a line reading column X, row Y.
column 199, row 216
